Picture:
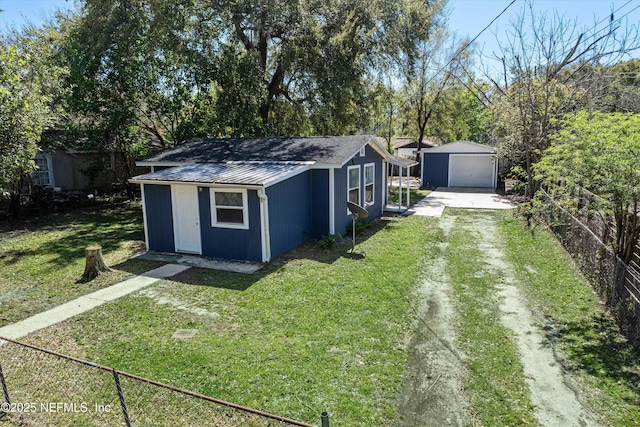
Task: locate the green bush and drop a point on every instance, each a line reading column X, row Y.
column 360, row 227
column 329, row 241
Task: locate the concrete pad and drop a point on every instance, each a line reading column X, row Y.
column 236, row 266
column 88, row 302
column 465, row 198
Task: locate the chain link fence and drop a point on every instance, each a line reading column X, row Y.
column 45, row 388
column 617, row 283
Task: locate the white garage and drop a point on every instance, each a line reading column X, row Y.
column 460, row 164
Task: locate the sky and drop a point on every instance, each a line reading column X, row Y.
column 467, row 18
column 17, row 12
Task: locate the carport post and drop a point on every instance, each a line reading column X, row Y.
column 399, row 188
column 408, row 188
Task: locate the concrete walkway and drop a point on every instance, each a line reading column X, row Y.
column 466, row 198
column 88, row 302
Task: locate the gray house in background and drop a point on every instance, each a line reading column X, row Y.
column 255, row 198
column 73, row 170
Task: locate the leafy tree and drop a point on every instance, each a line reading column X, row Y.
column 23, row 116
column 316, row 55
column 456, row 114
column 600, row 152
column 620, row 87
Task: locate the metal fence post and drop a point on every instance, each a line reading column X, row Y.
column 123, row 404
column 325, row 419
column 5, row 390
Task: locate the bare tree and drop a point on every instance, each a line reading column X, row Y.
column 550, row 69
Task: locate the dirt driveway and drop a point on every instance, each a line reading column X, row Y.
column 433, row 394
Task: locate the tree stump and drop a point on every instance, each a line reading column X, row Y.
column 94, row 265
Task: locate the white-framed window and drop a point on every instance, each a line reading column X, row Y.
column 109, row 161
column 363, row 151
column 353, row 184
column 229, row 208
column 369, row 183
column 43, row 174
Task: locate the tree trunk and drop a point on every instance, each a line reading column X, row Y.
column 94, row 264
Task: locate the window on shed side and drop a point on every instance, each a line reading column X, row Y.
column 43, row 174
column 229, row 209
column 369, row 183
column 353, row 184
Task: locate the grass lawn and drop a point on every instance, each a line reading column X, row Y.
column 42, row 261
column 415, row 194
column 591, row 343
column 315, row 330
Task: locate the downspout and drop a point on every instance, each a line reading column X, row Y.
column 144, row 218
column 332, row 202
column 383, row 181
column 388, row 183
column 264, row 218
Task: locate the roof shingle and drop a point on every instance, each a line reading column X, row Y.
column 319, row 149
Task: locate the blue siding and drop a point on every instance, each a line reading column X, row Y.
column 290, row 213
column 159, row 216
column 319, row 202
column 435, row 169
column 228, row 242
column 343, row 219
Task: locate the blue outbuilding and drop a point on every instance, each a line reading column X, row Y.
column 460, row 164
column 255, row 198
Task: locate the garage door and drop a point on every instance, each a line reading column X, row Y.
column 470, row 170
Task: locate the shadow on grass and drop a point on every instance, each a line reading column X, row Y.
column 310, row 251
column 106, row 225
column 596, row 347
column 137, row 266
column 313, row 251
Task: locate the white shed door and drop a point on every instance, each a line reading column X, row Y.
column 469, row 170
column 186, row 219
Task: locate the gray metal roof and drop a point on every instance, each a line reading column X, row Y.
column 240, row 173
column 328, row 150
column 402, row 162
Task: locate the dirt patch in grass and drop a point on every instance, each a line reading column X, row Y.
column 432, row 393
column 553, row 391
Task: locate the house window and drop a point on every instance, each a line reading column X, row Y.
column 43, row 174
column 363, row 151
column 369, row 183
column 109, row 161
column 229, row 209
column 353, row 184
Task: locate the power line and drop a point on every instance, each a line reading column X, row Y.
column 611, row 18
column 462, row 49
